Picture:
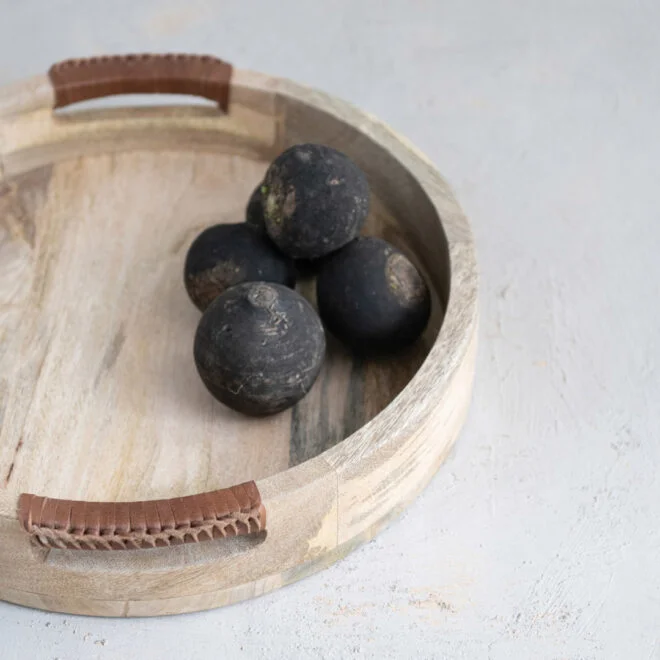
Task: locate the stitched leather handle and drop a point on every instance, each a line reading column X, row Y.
column 95, row 77
column 55, row 523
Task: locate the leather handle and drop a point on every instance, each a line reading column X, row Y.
column 95, row 77
column 234, row 511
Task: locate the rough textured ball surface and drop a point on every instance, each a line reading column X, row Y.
column 225, row 255
column 254, row 216
column 315, row 200
column 259, row 348
column 254, row 212
column 372, row 297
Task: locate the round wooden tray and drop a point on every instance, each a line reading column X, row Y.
column 99, row 398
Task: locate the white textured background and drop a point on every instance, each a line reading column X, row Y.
column 539, row 538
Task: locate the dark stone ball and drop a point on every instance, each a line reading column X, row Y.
column 315, row 200
column 254, row 212
column 225, row 255
column 372, row 297
column 259, row 348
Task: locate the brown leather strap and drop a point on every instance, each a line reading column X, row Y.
column 127, row 525
column 96, row 77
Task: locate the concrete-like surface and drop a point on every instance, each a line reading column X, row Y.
column 539, row 538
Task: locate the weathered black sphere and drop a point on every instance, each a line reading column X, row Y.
column 315, row 200
column 372, row 297
column 259, row 347
column 225, row 255
column 254, row 212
